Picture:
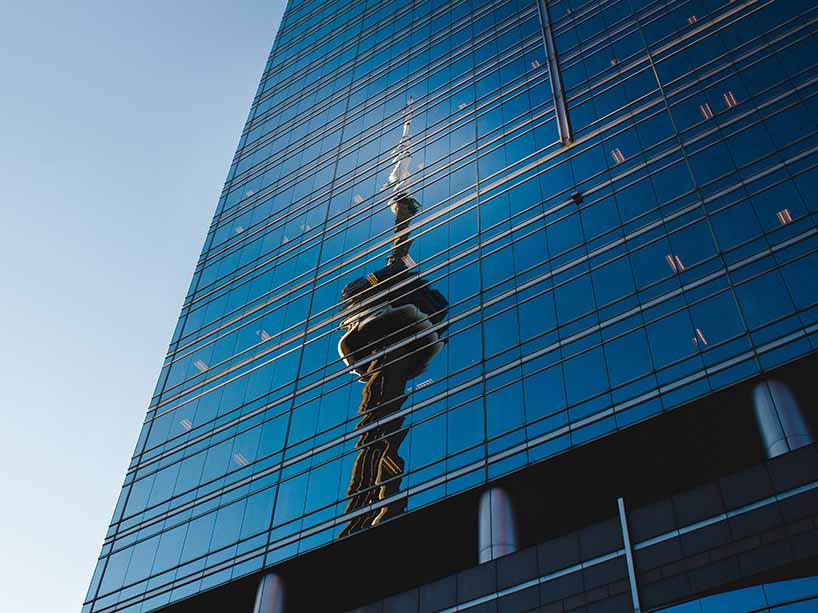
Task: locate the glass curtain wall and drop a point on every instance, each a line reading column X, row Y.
column 666, row 247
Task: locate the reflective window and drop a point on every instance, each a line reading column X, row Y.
column 408, row 273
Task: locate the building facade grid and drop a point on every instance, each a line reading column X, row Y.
column 669, row 250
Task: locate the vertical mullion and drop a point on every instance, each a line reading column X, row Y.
column 560, row 107
column 626, row 539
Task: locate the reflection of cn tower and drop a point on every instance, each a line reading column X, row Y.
column 386, row 307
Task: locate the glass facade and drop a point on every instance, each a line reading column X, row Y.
column 459, row 237
column 795, row 596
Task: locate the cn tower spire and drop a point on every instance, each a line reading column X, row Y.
column 402, row 155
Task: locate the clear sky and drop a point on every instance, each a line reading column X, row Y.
column 118, row 121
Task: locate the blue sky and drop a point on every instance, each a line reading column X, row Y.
column 118, row 123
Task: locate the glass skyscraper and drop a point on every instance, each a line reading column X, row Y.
column 506, row 305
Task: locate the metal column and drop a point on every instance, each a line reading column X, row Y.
column 497, row 526
column 780, row 420
column 270, row 595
